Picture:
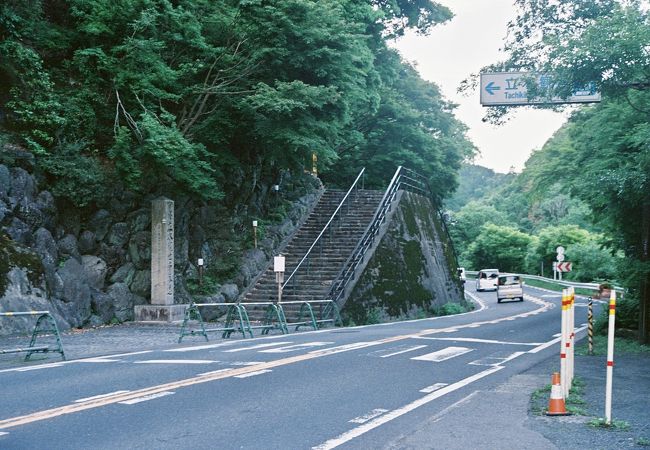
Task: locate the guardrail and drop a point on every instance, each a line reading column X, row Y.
column 44, row 320
column 237, row 320
column 566, row 283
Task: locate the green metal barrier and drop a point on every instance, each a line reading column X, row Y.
column 45, row 324
column 328, row 313
column 236, row 321
column 274, row 318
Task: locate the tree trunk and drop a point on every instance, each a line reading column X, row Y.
column 644, row 301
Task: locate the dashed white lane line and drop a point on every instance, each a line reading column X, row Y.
column 432, row 388
column 176, row 361
column 99, row 360
column 403, row 350
column 295, row 348
column 385, row 418
column 255, row 347
column 146, row 398
column 482, row 341
column 2, row 433
column 366, row 417
column 87, row 399
column 443, row 355
column 252, row 374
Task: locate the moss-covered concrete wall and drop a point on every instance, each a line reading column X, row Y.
column 412, row 271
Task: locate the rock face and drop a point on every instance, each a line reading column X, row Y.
column 409, row 272
column 92, row 267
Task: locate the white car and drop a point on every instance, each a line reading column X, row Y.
column 486, row 280
column 510, row 286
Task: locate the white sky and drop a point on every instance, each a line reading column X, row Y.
column 451, row 53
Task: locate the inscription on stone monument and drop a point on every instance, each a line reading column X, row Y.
column 162, row 252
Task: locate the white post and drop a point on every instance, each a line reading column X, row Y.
column 572, row 339
column 610, row 358
column 563, row 345
column 278, row 268
column 255, row 232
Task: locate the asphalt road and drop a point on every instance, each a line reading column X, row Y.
column 447, row 382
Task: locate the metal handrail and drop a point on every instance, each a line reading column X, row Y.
column 304, row 258
column 402, row 179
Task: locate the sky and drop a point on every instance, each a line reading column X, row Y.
column 453, row 51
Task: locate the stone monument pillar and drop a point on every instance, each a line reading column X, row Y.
column 162, row 306
column 162, row 252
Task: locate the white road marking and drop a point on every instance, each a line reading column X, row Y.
column 364, row 428
column 81, row 400
column 496, row 360
column 252, row 374
column 2, row 433
column 216, row 371
column 146, row 398
column 295, row 348
column 176, row 361
column 371, row 415
column 119, row 355
column 485, row 341
column 433, row 387
column 244, row 363
column 98, row 360
column 403, row 349
column 201, row 347
column 444, row 354
column 553, row 341
column 42, row 366
column 460, row 402
column 254, row 347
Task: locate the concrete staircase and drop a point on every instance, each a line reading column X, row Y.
column 315, row 276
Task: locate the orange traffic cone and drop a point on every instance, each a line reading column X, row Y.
column 556, row 403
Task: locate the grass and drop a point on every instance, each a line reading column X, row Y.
column 643, row 442
column 574, row 404
column 621, row 346
column 617, row 425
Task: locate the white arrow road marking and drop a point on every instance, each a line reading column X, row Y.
column 146, row 398
column 252, row 374
column 176, row 361
column 254, row 347
column 87, row 399
column 433, row 387
column 444, row 354
column 371, row 415
column 295, row 348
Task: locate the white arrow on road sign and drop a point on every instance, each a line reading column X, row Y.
column 564, row 267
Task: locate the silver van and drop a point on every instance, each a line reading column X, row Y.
column 510, row 286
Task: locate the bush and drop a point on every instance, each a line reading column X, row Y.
column 449, row 309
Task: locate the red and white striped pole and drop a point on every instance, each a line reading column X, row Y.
column 563, row 345
column 572, row 335
column 610, row 358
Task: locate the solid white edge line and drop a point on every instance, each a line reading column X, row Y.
column 252, row 374
column 371, row 415
column 362, row 429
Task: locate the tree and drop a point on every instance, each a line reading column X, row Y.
column 467, row 223
column 502, row 247
column 603, row 42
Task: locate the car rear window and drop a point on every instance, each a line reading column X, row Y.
column 511, row 279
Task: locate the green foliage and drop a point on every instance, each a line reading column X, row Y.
column 466, row 224
column 499, row 246
column 543, row 248
column 449, row 309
